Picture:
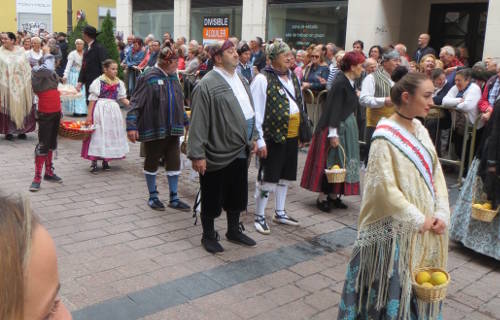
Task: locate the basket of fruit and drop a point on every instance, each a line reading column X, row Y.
column 483, row 212
column 336, row 174
column 430, row 283
column 77, row 130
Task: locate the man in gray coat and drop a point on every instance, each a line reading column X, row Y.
column 221, row 139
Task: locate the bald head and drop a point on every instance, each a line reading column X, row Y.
column 423, row 40
column 370, row 65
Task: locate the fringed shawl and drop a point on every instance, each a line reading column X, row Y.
column 16, row 97
column 396, row 200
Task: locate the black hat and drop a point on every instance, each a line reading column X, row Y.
column 244, row 48
column 61, row 34
column 90, row 31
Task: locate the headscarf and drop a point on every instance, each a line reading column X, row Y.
column 276, row 48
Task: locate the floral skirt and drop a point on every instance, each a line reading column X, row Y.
column 349, row 306
column 482, row 237
column 109, row 140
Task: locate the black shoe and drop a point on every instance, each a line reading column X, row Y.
column 337, row 203
column 93, row 167
column 179, row 205
column 105, row 166
column 35, row 186
column 53, row 178
column 323, row 205
column 211, row 242
column 238, row 237
column 21, row 136
column 156, row 204
column 9, row 137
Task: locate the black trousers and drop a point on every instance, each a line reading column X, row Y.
column 368, row 139
column 48, row 127
column 281, row 161
column 168, row 149
column 226, row 189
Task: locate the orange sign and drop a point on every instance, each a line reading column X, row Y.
column 215, row 29
column 215, row 33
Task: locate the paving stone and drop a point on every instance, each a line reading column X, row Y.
column 323, row 300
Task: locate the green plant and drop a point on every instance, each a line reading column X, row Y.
column 107, row 39
column 77, row 33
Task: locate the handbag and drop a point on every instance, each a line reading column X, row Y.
column 306, row 124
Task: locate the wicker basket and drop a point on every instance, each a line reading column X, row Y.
column 75, row 134
column 436, row 293
column 336, row 175
column 484, row 215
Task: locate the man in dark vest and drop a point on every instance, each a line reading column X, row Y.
column 93, row 56
column 278, row 99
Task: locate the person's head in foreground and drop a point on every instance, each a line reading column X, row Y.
column 412, row 95
column 29, row 280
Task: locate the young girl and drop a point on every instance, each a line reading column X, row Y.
column 109, row 140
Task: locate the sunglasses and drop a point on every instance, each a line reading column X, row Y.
column 315, row 57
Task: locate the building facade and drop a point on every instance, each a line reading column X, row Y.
column 474, row 24
column 51, row 15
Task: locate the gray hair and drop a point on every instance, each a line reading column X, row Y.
column 393, row 54
column 448, row 50
column 36, row 40
column 77, row 41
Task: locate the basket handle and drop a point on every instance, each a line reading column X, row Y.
column 412, row 247
column 343, row 152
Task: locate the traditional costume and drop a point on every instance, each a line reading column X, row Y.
column 222, row 132
column 72, row 72
column 158, row 115
column 109, row 140
column 376, row 87
column 277, row 99
column 45, row 81
column 404, row 184
column 480, row 186
column 17, row 112
column 338, row 120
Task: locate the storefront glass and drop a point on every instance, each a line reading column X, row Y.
column 197, row 15
column 302, row 24
column 155, row 22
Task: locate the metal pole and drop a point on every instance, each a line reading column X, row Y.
column 70, row 16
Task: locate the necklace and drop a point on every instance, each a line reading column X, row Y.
column 404, row 117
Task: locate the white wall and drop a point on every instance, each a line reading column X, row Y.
column 373, row 22
column 124, row 17
column 182, row 18
column 253, row 19
column 492, row 38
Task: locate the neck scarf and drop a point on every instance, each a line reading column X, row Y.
column 461, row 93
column 107, row 80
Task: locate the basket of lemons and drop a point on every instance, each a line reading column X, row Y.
column 336, row 174
column 430, row 283
column 483, row 212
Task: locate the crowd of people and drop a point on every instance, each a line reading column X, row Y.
column 246, row 99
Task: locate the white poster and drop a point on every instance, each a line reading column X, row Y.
column 34, row 6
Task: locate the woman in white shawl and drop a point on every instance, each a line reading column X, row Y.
column 404, row 214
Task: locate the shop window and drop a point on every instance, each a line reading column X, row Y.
column 197, row 15
column 305, row 23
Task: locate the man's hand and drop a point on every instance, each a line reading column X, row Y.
column 262, row 152
column 199, row 166
column 78, row 86
column 438, row 226
column 486, row 116
column 334, row 142
column 254, row 148
column 133, row 135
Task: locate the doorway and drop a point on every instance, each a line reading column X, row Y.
column 459, row 25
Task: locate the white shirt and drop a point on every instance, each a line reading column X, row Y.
column 239, row 91
column 332, row 132
column 367, row 96
column 259, row 95
column 74, row 60
column 471, row 97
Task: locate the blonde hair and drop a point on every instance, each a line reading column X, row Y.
column 422, row 61
column 77, row 41
column 16, row 229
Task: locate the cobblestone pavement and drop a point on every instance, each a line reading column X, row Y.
column 120, row 260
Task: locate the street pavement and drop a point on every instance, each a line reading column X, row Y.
column 118, row 259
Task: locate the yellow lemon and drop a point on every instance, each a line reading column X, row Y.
column 427, row 285
column 477, row 206
column 422, row 277
column 438, row 278
column 487, row 206
column 336, row 167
